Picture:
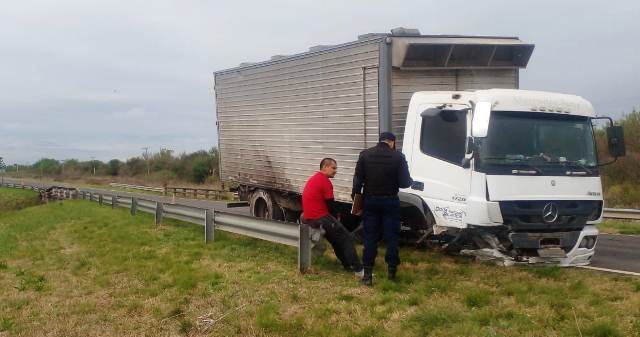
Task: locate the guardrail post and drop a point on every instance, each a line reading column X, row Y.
column 100, row 199
column 159, row 212
column 114, row 201
column 209, row 225
column 90, row 196
column 134, row 206
column 304, row 249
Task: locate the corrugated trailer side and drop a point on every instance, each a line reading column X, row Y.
column 278, row 119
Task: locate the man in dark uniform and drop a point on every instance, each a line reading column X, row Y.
column 379, row 173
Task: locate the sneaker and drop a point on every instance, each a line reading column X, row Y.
column 360, row 273
column 367, row 278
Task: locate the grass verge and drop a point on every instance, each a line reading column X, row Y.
column 629, row 227
column 73, row 268
column 14, row 199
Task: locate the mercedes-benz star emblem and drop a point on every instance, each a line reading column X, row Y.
column 550, row 212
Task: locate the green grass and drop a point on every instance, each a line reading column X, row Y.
column 14, row 199
column 74, row 268
column 629, row 227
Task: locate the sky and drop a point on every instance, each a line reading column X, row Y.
column 104, row 79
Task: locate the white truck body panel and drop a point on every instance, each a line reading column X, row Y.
column 544, row 188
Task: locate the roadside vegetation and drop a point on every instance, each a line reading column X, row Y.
column 73, row 268
column 622, row 178
column 614, row 226
column 14, row 199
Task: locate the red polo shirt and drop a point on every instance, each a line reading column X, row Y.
column 317, row 190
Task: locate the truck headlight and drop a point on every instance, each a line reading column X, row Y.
column 588, row 242
column 595, row 214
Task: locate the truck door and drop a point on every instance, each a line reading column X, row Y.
column 436, row 162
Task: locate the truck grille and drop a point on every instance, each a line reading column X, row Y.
column 538, row 215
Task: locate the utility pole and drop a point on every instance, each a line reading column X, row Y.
column 2, row 168
column 146, row 158
column 93, row 165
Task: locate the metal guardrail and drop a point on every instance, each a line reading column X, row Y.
column 138, row 187
column 196, row 193
column 621, row 213
column 291, row 234
column 46, row 193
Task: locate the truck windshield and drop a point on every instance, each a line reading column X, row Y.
column 538, row 142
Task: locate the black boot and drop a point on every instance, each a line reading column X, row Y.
column 367, row 279
column 391, row 275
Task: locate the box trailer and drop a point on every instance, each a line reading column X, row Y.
column 278, row 118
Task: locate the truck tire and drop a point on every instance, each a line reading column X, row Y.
column 263, row 206
column 418, row 226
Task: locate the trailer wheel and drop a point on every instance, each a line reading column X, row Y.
column 263, row 206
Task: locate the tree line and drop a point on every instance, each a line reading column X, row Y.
column 196, row 167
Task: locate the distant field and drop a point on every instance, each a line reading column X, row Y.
column 13, row 199
column 74, row 268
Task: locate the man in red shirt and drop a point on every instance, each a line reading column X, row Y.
column 319, row 211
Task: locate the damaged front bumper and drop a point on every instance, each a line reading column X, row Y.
column 561, row 249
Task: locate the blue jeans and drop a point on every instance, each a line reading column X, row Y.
column 381, row 214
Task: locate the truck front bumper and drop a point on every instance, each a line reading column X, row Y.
column 579, row 255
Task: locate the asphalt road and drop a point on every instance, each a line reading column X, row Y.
column 617, row 252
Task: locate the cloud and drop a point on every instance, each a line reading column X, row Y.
column 105, row 78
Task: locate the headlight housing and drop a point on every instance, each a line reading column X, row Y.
column 588, row 242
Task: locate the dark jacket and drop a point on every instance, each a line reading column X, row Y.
column 381, row 170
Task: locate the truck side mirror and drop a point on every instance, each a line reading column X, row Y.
column 615, row 141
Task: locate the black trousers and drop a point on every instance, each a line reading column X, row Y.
column 381, row 213
column 340, row 239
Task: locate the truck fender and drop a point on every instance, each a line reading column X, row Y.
column 408, row 199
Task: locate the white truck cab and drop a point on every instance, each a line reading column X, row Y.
column 517, row 168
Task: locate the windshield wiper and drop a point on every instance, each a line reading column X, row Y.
column 534, row 171
column 518, row 161
column 577, row 163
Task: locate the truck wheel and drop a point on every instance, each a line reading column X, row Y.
column 263, row 206
column 418, row 227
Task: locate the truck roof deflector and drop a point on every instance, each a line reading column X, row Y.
column 421, row 53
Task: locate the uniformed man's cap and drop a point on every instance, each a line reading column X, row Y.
column 387, row 136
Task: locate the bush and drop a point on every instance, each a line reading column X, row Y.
column 113, row 167
column 201, row 170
